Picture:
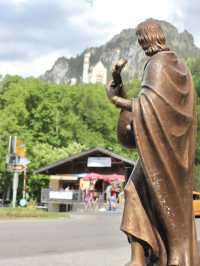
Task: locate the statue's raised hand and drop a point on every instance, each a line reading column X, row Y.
column 116, row 73
column 115, row 87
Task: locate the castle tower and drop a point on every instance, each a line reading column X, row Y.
column 86, row 64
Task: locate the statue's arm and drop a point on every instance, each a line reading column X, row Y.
column 117, row 95
column 124, row 104
column 125, row 131
column 115, row 89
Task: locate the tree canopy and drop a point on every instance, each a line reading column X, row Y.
column 56, row 121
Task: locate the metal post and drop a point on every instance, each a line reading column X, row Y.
column 15, row 186
column 24, row 185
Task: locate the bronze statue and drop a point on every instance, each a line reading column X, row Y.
column 161, row 123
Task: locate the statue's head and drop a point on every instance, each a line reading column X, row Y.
column 151, row 37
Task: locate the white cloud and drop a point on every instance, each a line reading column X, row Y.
column 35, row 67
column 18, row 2
column 118, row 15
column 185, row 15
column 33, row 33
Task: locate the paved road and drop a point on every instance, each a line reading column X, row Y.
column 82, row 240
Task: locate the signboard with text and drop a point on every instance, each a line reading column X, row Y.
column 67, row 195
column 99, row 162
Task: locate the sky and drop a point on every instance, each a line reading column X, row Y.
column 34, row 33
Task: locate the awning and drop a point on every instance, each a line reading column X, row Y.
column 106, row 178
column 64, row 177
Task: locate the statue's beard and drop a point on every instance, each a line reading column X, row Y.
column 151, row 50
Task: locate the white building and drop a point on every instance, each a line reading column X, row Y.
column 96, row 74
column 99, row 74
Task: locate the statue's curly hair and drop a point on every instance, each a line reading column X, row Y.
column 151, row 37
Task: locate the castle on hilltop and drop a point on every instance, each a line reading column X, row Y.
column 95, row 74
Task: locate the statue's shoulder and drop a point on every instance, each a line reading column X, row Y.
column 160, row 61
column 157, row 67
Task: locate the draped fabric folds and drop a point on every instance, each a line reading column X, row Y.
column 158, row 204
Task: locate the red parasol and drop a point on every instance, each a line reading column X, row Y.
column 114, row 177
column 92, row 176
column 106, row 178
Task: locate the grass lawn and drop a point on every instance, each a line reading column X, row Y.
column 13, row 213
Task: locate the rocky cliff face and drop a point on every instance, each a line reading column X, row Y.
column 123, row 45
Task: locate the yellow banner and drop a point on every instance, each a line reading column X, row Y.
column 20, row 148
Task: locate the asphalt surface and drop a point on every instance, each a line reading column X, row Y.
column 82, row 240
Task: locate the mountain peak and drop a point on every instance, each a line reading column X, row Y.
column 122, row 45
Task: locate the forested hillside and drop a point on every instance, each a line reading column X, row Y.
column 57, row 120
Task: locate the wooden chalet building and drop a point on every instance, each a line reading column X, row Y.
column 66, row 184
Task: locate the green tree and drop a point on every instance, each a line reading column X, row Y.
column 194, row 65
column 43, row 154
column 55, row 121
column 196, row 184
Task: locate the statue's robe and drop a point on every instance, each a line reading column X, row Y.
column 158, row 196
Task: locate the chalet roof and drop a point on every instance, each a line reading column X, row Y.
column 50, row 167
